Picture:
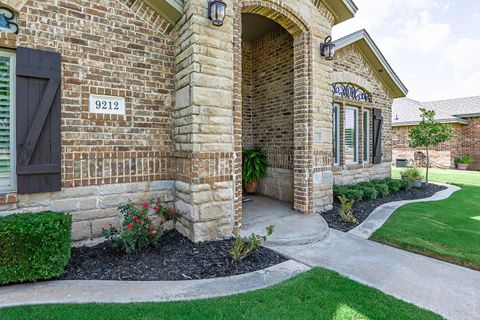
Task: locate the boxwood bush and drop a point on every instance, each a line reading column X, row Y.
column 382, row 189
column 394, row 186
column 34, row 246
column 370, row 193
column 371, row 190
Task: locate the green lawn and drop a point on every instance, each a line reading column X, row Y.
column 447, row 230
column 448, row 176
column 317, row 294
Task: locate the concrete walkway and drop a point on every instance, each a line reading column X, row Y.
column 147, row 291
column 449, row 290
column 291, row 227
column 381, row 214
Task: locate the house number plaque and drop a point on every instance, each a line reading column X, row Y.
column 107, row 104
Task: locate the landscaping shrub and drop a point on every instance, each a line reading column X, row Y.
column 350, row 192
column 244, row 246
column 139, row 228
column 34, row 246
column 370, row 193
column 394, row 186
column 382, row 189
column 354, row 194
column 346, row 212
column 405, row 184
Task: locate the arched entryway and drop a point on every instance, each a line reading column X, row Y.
column 273, row 100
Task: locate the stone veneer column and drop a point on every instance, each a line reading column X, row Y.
column 204, row 124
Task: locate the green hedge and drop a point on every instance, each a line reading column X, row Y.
column 34, row 246
column 371, row 190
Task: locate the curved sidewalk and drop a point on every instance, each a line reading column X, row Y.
column 146, row 291
column 381, row 214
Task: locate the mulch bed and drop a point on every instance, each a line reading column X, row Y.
column 363, row 209
column 173, row 258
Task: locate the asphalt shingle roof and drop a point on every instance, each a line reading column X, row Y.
column 406, row 111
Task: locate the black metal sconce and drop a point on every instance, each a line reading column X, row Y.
column 217, row 11
column 327, row 49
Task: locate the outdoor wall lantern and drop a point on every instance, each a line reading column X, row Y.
column 216, row 12
column 327, row 49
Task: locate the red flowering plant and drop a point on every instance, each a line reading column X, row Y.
column 138, row 228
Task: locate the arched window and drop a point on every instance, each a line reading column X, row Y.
column 8, row 20
column 351, row 91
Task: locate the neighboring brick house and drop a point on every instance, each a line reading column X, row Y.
column 109, row 100
column 462, row 114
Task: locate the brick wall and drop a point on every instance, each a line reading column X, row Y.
column 350, row 66
column 268, row 108
column 465, row 141
column 111, row 47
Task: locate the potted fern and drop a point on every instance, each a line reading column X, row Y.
column 462, row 163
column 254, row 168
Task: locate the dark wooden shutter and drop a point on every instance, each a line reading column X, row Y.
column 377, row 136
column 38, row 109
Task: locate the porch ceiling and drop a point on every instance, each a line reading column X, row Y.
column 255, row 26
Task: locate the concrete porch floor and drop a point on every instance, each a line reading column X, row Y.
column 291, row 227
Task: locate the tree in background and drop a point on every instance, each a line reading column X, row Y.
column 428, row 134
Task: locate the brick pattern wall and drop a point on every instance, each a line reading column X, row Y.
column 267, row 93
column 465, row 141
column 350, row 64
column 112, row 47
column 268, row 107
column 293, row 18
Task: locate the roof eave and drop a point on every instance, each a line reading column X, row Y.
column 468, row 115
column 341, row 10
column 171, row 10
column 415, row 123
column 394, row 83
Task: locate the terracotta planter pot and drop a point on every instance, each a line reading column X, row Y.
column 251, row 187
column 462, row 166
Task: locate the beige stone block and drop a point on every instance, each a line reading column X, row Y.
column 204, row 231
column 201, row 197
column 188, row 210
column 212, row 211
column 98, row 224
column 94, row 214
column 81, row 230
column 87, row 203
column 66, row 205
column 223, row 194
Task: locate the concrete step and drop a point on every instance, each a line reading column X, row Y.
column 291, row 227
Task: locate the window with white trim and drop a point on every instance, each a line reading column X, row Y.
column 7, row 121
column 366, row 136
column 351, row 135
column 336, row 133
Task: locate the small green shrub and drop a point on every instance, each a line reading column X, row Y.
column 412, row 173
column 34, row 246
column 394, row 186
column 382, row 189
column 244, row 246
column 346, row 212
column 405, row 184
column 370, row 193
column 463, row 160
column 354, row 194
column 350, row 192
